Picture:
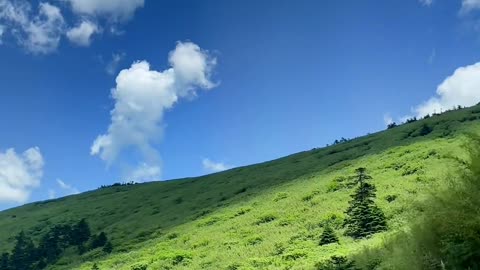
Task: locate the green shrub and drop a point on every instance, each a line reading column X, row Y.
column 280, row 196
column 254, row 240
column 336, row 263
column 140, row 267
column 171, row 236
column 265, row 219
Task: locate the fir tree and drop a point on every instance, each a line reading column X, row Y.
column 328, row 236
column 49, row 248
column 364, row 218
column 108, row 248
column 99, row 241
column 4, row 262
column 23, row 253
column 80, row 233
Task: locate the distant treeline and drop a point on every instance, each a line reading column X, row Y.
column 118, row 184
column 426, row 129
column 414, row 119
column 26, row 255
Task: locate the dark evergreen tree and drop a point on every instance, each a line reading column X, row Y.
column 80, row 233
column 4, row 261
column 391, row 125
column 425, row 130
column 108, row 248
column 364, row 218
column 328, row 236
column 361, row 175
column 99, row 241
column 23, row 253
column 337, row 263
column 49, row 248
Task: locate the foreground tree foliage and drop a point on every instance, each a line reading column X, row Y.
column 364, row 217
column 447, row 235
column 27, row 256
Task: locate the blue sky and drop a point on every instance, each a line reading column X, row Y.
column 222, row 83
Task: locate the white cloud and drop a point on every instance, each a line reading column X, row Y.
column 144, row 173
column 426, row 2
column 461, row 88
column 81, row 35
column 19, row 174
column 469, row 5
column 39, row 34
column 112, row 65
column 212, row 166
column 142, row 96
column 68, row 189
column 117, row 10
column 40, row 31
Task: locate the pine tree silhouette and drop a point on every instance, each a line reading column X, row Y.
column 364, row 217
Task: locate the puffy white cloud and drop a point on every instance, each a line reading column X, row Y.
column 142, row 95
column 19, row 174
column 81, row 35
column 112, row 65
column 38, row 34
column 460, row 88
column 469, row 5
column 68, row 189
column 212, row 166
column 145, row 172
column 117, row 10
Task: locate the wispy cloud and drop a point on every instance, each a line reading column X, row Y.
column 212, row 166
column 426, row 2
column 114, row 62
column 52, row 194
column 432, row 56
column 469, row 5
column 387, row 119
column 39, row 32
column 67, row 189
column 114, row 10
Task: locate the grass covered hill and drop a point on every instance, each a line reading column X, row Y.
column 264, row 216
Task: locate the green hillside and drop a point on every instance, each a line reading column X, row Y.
column 264, row 216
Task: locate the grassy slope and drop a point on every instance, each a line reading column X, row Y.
column 215, row 221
